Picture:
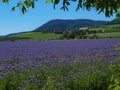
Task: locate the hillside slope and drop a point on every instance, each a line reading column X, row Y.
column 62, row 25
column 115, row 21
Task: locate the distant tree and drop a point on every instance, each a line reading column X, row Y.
column 118, row 13
column 109, row 7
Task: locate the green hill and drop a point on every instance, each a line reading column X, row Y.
column 68, row 25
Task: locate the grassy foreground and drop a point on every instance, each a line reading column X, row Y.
column 74, row 77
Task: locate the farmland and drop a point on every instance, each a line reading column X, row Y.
column 103, row 32
column 110, row 31
column 58, row 65
column 108, row 28
column 108, row 35
column 32, row 36
column 38, row 36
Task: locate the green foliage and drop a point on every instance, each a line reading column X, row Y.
column 117, row 46
column 115, row 79
column 107, row 6
column 64, row 77
column 14, row 80
column 24, row 5
column 5, row 1
column 115, row 69
column 80, row 34
column 118, row 13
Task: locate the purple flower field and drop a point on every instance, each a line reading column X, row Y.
column 59, row 65
column 20, row 55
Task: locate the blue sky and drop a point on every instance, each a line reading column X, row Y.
column 13, row 22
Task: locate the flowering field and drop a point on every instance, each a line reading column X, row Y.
column 57, row 65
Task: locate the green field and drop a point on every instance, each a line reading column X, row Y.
column 108, row 35
column 39, row 36
column 108, row 28
column 32, row 36
column 110, row 31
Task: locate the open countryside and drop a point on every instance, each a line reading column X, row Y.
column 50, row 61
column 47, row 49
column 107, row 31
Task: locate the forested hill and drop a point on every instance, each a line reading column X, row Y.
column 115, row 21
column 62, row 25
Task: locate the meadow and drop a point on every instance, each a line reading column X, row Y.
column 107, row 35
column 110, row 31
column 32, row 36
column 108, row 28
column 60, row 65
column 39, row 36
